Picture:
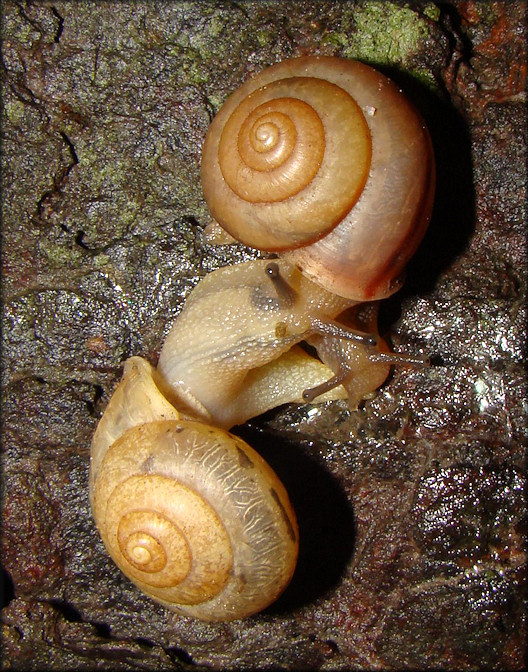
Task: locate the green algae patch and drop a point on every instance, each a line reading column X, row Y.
column 386, row 34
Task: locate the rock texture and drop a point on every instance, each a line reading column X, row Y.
column 412, row 509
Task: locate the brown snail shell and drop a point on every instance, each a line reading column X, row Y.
column 342, row 185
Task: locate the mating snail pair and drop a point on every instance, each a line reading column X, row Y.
column 323, row 161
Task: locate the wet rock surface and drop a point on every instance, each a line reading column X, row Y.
column 411, row 510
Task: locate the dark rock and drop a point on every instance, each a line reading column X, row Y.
column 412, row 509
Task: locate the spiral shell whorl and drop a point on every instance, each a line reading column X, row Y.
column 171, row 543
column 298, row 147
column 196, row 519
column 279, row 150
column 143, row 537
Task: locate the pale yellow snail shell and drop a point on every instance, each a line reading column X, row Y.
column 325, row 161
column 190, row 513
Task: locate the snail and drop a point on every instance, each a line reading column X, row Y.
column 187, row 510
column 190, row 513
column 325, row 161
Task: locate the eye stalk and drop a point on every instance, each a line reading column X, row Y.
column 285, row 293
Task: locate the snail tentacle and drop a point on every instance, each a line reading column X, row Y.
column 312, row 393
column 285, row 292
column 399, row 358
column 332, row 328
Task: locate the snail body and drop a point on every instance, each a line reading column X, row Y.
column 230, row 351
column 323, row 161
